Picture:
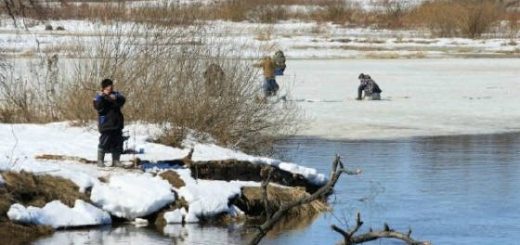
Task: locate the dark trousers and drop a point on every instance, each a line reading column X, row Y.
column 111, row 141
column 360, row 90
column 270, row 87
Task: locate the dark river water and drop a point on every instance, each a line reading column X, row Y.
column 449, row 190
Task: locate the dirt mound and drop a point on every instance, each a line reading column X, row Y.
column 38, row 190
column 33, row 190
column 173, row 178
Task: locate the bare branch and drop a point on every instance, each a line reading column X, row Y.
column 265, row 197
column 342, row 232
column 359, row 223
column 336, row 171
column 370, row 236
column 387, row 232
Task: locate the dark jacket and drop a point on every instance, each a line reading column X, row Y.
column 109, row 111
column 369, row 86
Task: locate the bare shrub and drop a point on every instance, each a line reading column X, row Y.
column 468, row 18
column 478, row 17
column 440, row 17
column 161, row 74
column 268, row 14
column 513, row 24
column 335, row 11
column 27, row 97
column 231, row 10
column 393, row 13
column 22, row 8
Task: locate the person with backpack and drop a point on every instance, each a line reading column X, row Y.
column 369, row 87
column 279, row 63
column 270, row 86
column 108, row 104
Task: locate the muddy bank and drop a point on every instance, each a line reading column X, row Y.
column 31, row 190
column 247, row 171
column 11, row 233
column 251, row 201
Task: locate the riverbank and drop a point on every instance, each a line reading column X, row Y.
column 49, row 179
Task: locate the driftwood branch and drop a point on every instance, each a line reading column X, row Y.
column 271, row 220
column 350, row 237
column 265, row 195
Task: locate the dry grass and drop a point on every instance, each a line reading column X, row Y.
column 251, row 201
column 38, row 190
column 173, row 178
column 468, row 18
column 33, row 190
column 382, row 55
column 336, row 12
column 63, row 158
column 14, row 234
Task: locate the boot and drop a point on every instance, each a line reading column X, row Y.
column 116, row 156
column 101, row 158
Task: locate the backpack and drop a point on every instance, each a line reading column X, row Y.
column 279, row 62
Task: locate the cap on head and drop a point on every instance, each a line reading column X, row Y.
column 361, row 76
column 106, row 82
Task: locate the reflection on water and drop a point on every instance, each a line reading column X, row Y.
column 174, row 234
column 450, row 190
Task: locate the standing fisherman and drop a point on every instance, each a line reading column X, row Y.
column 108, row 104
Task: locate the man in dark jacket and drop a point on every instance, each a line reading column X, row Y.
column 214, row 77
column 108, row 104
column 369, row 86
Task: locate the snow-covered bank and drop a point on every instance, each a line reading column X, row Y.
column 124, row 193
column 23, row 142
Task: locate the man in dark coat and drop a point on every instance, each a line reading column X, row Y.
column 214, row 77
column 369, row 86
column 108, row 104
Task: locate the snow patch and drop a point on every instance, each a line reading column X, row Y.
column 59, row 215
column 206, row 198
column 132, row 195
